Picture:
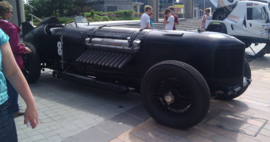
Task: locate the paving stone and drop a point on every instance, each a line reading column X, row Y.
column 139, row 112
column 238, row 123
column 26, row 140
column 220, row 138
column 55, row 127
column 32, row 133
column 267, row 126
column 60, row 131
column 27, row 130
column 265, row 132
column 116, row 140
column 93, row 134
column 125, row 136
column 247, row 139
column 20, row 132
column 22, row 136
column 37, row 137
column 162, row 133
column 148, row 126
column 177, row 139
column 49, row 134
column 195, row 138
column 142, row 134
column 44, row 130
column 135, row 140
column 55, row 138
column 119, row 124
column 43, row 140
column 70, row 133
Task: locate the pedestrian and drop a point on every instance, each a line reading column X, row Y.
column 151, row 22
column 176, row 22
column 18, row 50
column 207, row 16
column 10, row 70
column 29, row 22
column 170, row 21
column 145, row 18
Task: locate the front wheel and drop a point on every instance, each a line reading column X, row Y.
column 247, row 75
column 32, row 64
column 175, row 94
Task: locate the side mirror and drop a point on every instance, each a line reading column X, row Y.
column 266, row 14
column 81, row 19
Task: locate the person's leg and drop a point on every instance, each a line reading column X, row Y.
column 7, row 125
column 13, row 97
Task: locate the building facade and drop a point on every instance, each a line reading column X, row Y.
column 113, row 5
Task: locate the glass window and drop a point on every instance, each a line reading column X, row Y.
column 255, row 13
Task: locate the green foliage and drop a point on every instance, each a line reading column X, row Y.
column 39, row 8
column 83, row 3
column 105, row 18
column 62, row 20
column 92, row 14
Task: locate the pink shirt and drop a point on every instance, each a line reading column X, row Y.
column 13, row 32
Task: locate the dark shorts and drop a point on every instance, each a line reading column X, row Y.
column 7, row 125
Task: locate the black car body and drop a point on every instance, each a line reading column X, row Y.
column 175, row 71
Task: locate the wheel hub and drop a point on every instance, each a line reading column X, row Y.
column 169, row 98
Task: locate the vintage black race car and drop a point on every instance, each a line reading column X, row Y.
column 175, row 72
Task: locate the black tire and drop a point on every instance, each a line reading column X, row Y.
column 247, row 74
column 263, row 51
column 182, row 83
column 32, row 64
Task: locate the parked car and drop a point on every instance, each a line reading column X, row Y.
column 175, row 72
column 245, row 20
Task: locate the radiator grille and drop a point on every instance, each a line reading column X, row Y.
column 105, row 58
column 228, row 63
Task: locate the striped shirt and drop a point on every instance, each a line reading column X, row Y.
column 3, row 85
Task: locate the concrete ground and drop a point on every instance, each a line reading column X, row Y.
column 73, row 112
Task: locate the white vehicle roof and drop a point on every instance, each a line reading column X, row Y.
column 222, row 3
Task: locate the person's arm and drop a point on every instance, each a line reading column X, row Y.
column 203, row 21
column 148, row 23
column 149, row 26
column 165, row 19
column 176, row 22
column 15, row 76
column 14, row 42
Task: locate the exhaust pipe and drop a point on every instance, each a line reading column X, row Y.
column 95, row 83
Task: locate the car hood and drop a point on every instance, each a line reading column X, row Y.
column 222, row 3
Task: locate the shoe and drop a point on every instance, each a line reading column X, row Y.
column 19, row 113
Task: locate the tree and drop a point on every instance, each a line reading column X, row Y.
column 40, row 8
column 83, row 3
column 60, row 5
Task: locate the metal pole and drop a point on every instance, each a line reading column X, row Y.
column 204, row 4
column 18, row 12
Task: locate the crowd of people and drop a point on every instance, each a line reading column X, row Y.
column 170, row 18
column 12, row 81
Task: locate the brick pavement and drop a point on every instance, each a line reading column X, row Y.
column 67, row 108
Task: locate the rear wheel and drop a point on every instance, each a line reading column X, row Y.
column 175, row 94
column 32, row 64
